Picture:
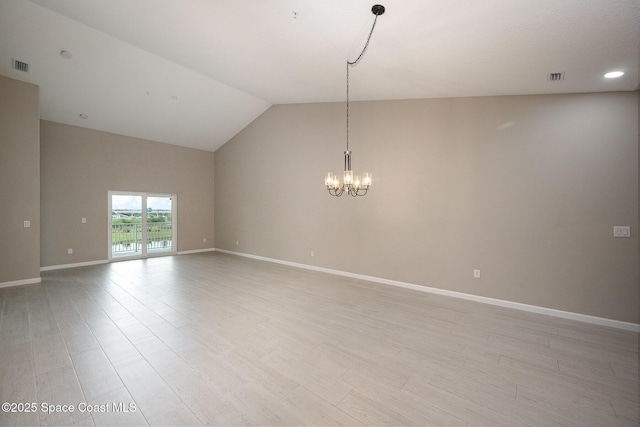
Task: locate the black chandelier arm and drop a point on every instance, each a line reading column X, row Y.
column 349, row 189
column 335, row 192
column 357, row 192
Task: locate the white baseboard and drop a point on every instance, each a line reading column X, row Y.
column 627, row 326
column 196, row 251
column 106, row 261
column 77, row 264
column 20, row 282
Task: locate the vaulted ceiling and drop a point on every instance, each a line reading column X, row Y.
column 195, row 72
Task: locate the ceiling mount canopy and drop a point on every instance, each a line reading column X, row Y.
column 354, row 186
column 377, row 9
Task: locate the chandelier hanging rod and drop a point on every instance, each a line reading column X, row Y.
column 377, row 10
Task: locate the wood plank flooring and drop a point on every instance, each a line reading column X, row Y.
column 214, row 339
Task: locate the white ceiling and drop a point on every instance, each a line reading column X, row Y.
column 195, row 72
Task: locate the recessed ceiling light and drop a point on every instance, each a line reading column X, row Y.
column 83, row 116
column 614, row 74
column 66, row 54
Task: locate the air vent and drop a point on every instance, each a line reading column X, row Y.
column 554, row 77
column 20, row 66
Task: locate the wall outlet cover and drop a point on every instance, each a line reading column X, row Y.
column 621, row 231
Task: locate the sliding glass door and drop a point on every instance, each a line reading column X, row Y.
column 125, row 225
column 141, row 224
column 160, row 224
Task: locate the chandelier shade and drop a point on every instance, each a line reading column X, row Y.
column 357, row 185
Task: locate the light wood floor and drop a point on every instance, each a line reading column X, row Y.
column 217, row 339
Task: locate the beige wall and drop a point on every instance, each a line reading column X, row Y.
column 525, row 188
column 19, row 181
column 78, row 168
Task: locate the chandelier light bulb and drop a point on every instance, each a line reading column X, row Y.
column 348, row 177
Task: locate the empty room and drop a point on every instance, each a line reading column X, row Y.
column 319, row 212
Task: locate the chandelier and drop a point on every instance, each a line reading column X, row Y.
column 352, row 185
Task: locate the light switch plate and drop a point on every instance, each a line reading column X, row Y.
column 621, row 231
column 27, row 224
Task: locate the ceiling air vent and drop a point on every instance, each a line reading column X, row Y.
column 554, row 77
column 20, row 66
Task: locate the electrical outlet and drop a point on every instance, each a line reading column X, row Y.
column 27, row 224
column 476, row 273
column 621, row 231
column 70, row 251
column 237, row 242
column 204, row 240
column 84, row 220
column 313, row 253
